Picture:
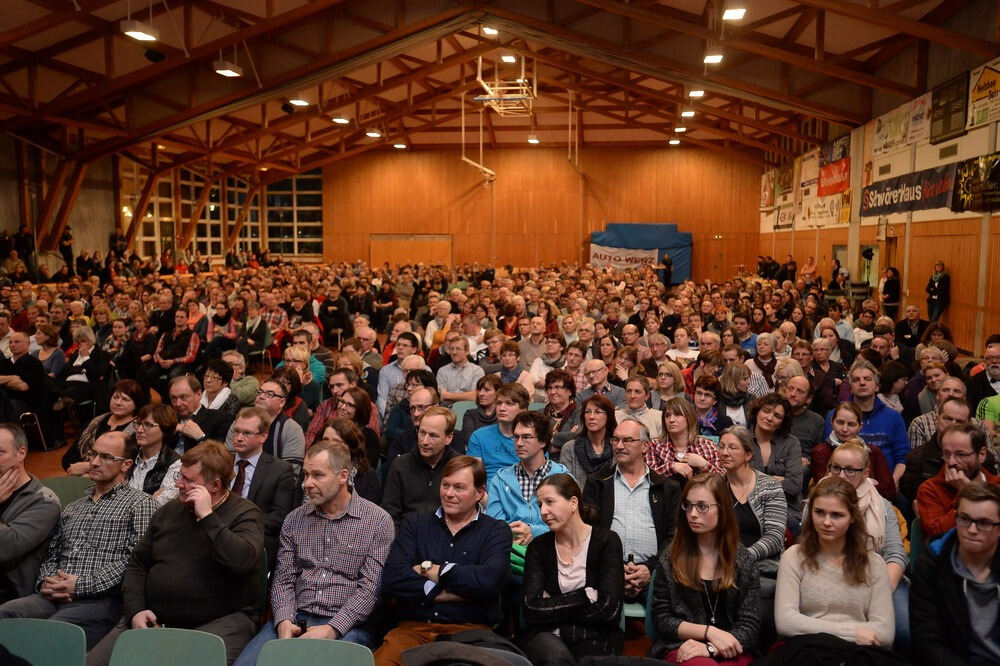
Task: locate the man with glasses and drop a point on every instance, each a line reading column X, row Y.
column 596, row 372
column 285, row 439
column 420, row 401
column 925, row 427
column 411, row 485
column 242, row 385
column 924, row 462
column 953, row 597
column 392, row 374
column 368, row 353
column 963, row 451
column 511, row 491
column 986, row 384
column 260, row 477
column 634, row 502
column 80, row 579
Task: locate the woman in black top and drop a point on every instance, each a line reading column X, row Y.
column 890, row 293
column 126, row 400
column 574, row 582
column 938, row 292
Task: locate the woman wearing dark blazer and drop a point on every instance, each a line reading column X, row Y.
column 574, row 581
column 938, row 292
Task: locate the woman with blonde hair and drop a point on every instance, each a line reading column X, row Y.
column 705, row 594
column 682, row 451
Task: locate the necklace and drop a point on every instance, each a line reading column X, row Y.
column 714, row 604
column 743, row 487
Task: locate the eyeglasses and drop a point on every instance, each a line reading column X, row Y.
column 848, row 471
column 959, row 455
column 419, row 408
column 105, row 457
column 591, row 373
column 623, row 440
column 245, row 433
column 700, row 507
column 555, row 387
column 344, row 403
column 146, row 425
column 527, row 437
column 981, row 524
column 269, row 394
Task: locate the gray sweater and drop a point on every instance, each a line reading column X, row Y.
column 25, row 528
column 768, row 503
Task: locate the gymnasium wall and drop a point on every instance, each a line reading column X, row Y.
column 540, row 208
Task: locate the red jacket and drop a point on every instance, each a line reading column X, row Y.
column 936, row 503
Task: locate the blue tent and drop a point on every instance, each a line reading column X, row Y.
column 648, row 236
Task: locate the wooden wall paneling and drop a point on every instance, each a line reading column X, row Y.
column 991, row 323
column 955, row 242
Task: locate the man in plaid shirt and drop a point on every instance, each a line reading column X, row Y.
column 329, row 572
column 80, row 580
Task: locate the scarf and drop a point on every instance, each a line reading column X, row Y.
column 707, row 422
column 767, row 369
column 734, row 399
column 558, row 363
column 558, row 417
column 222, row 321
column 510, row 376
column 587, row 458
column 873, row 511
column 220, row 399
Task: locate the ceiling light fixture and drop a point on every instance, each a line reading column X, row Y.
column 487, row 30
column 298, row 101
column 230, row 70
column 533, row 139
column 373, row 133
column 681, row 129
column 340, row 120
column 713, row 55
column 687, row 113
column 734, row 10
column 509, row 59
column 139, row 31
column 399, row 146
column 696, row 93
column 674, row 142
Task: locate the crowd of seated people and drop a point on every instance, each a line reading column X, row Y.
column 406, row 450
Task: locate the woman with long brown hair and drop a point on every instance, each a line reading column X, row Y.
column 705, row 594
column 363, row 478
column 830, row 582
column 682, row 451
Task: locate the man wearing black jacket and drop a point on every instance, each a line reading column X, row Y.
column 954, row 605
column 650, row 502
column 195, row 422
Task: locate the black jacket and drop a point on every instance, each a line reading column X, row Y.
column 904, row 334
column 979, row 388
column 924, row 462
column 939, row 614
column 572, row 613
column 664, row 496
column 411, row 486
column 272, row 489
column 213, row 423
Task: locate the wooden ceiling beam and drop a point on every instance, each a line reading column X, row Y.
column 897, row 23
column 753, row 45
column 53, row 19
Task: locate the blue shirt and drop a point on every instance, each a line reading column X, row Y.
column 495, row 450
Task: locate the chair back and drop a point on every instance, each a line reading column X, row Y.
column 459, row 409
column 44, row 642
column 168, row 647
column 314, row 651
column 67, row 488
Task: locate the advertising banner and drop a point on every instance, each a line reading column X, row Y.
column 920, row 119
column 984, row 94
column 949, row 109
column 891, row 130
column 930, row 188
column 621, row 258
column 834, row 177
column 809, row 169
column 977, row 184
column 767, row 190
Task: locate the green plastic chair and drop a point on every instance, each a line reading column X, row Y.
column 44, row 642
column 168, row 647
column 536, row 406
column 459, row 409
column 67, row 488
column 314, row 651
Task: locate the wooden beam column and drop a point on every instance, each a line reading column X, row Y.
column 234, row 233
column 23, row 186
column 188, row 233
column 51, row 198
column 69, row 200
column 139, row 212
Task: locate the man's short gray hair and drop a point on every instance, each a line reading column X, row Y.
column 643, row 430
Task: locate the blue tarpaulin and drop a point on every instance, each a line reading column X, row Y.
column 649, row 236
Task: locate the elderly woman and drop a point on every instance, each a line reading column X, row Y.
column 127, row 399
column 762, row 366
column 217, row 394
column 561, row 409
column 85, row 375
column 157, row 466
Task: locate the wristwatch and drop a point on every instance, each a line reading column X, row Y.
column 425, row 566
column 711, row 650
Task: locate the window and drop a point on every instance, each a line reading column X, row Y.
column 295, row 215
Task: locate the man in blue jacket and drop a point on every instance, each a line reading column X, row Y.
column 512, row 490
column 446, row 569
column 881, row 425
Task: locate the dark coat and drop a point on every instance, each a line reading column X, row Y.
column 272, row 489
column 664, row 496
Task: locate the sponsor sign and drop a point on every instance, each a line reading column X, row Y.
column 891, row 130
column 619, row 257
column 809, row 169
column 920, row 119
column 930, row 188
column 977, row 184
column 984, row 94
column 767, row 190
column 949, row 107
column 834, row 177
